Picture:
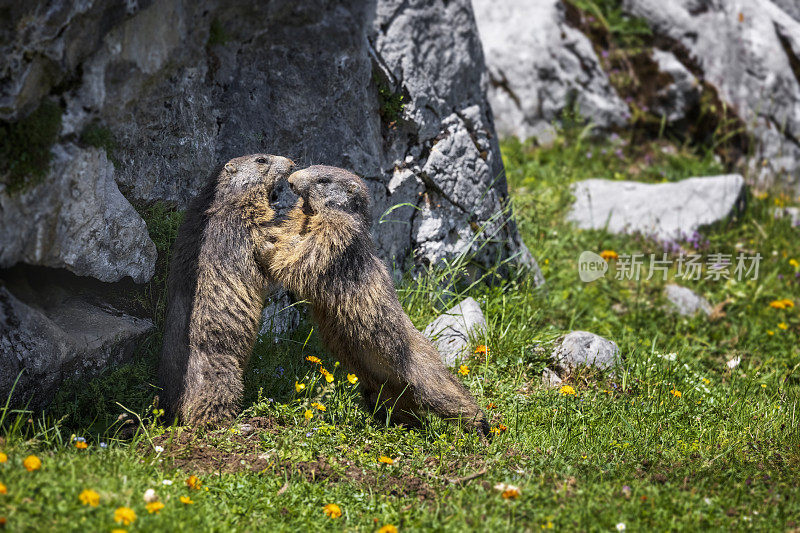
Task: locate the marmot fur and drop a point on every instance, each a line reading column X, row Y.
column 324, row 253
column 216, row 291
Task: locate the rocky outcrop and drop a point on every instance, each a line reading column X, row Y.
column 663, row 211
column 152, row 95
column 749, row 52
column 53, row 331
column 541, row 66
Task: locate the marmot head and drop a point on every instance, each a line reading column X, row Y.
column 251, row 173
column 325, row 188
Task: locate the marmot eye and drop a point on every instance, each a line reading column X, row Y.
column 261, row 160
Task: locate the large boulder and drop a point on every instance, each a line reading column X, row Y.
column 152, row 95
column 663, row 211
column 50, row 332
column 749, row 52
column 540, row 66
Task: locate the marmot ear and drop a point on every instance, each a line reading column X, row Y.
column 230, row 167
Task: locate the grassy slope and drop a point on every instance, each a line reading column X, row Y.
column 723, row 455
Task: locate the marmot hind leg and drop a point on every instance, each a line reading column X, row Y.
column 213, row 390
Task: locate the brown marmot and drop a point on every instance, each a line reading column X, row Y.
column 216, row 291
column 324, row 253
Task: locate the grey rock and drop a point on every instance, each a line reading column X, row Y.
column 792, row 212
column 77, row 219
column 452, row 331
column 685, row 301
column 539, row 65
column 550, row 378
column 747, row 51
column 582, row 348
column 280, row 316
column 664, row 211
column 50, row 334
column 673, row 101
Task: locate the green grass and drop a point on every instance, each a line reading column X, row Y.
column 25, row 147
column 625, row 449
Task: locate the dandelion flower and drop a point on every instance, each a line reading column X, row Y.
column 119, row 531
column 482, row 349
column 124, row 516
column 495, row 430
column 388, row 528
column 81, row 445
column 332, row 510
column 794, row 262
column 352, row 378
column 491, row 406
column 463, row 370
column 3, row 457
column 567, row 390
column 186, row 500
column 788, row 303
column 318, row 406
column 299, row 386
column 193, row 482
column 778, row 304
column 154, row 507
column 509, row 492
column 3, row 489
column 32, row 463
column 609, row 255
column 676, row 393
column 309, row 414
column 313, row 359
column 770, row 332
column 783, row 325
column 150, row 496
column 327, row 374
column 502, row 427
column 385, row 460
column 89, row 497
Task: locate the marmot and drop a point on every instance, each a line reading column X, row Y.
column 216, row 291
column 324, row 253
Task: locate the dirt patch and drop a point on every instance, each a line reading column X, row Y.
column 241, row 452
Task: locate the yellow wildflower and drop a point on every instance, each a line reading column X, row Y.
column 124, row 516
column 495, row 430
column 154, row 507
column 328, row 375
column 89, row 497
column 502, row 427
column 193, row 482
column 706, row 381
column 794, row 262
column 609, row 255
column 309, row 414
column 388, row 528
column 318, row 406
column 783, row 325
column 81, row 445
column 482, row 349
column 676, row 393
column 508, row 491
column 3, row 489
column 567, row 390
column 491, row 406
column 770, row 332
column 385, row 460
column 3, row 457
column 119, row 531
column 788, row 303
column 313, row 359
column 186, row 500
column 332, row 510
column 778, row 304
column 352, row 378
column 299, row 386
column 463, row 370
column 32, row 463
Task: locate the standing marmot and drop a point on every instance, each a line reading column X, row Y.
column 324, row 253
column 216, row 291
